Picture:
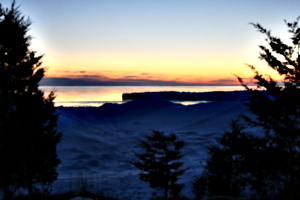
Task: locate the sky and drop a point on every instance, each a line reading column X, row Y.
column 153, row 42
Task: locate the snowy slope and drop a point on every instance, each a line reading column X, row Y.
column 99, row 142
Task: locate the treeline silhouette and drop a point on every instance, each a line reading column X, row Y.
column 243, row 165
column 28, row 134
column 265, row 165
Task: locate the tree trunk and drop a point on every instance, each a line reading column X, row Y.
column 30, row 189
column 166, row 193
column 166, row 180
column 7, row 194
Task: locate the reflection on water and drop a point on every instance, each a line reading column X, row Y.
column 187, row 103
column 98, row 95
column 85, row 103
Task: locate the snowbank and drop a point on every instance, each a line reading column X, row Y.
column 99, row 142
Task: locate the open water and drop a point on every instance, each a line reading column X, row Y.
column 98, row 95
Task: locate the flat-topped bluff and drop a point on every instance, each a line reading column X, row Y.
column 191, row 96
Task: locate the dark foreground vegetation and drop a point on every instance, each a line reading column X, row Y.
column 28, row 134
column 67, row 196
column 160, row 163
column 265, row 165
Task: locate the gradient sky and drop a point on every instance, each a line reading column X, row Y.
column 152, row 42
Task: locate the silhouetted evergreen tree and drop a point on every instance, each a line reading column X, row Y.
column 220, row 178
column 266, row 167
column 240, row 166
column 28, row 134
column 160, row 163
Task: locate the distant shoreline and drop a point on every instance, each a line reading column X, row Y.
column 96, row 96
column 190, row 96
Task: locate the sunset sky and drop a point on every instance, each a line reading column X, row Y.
column 152, row 42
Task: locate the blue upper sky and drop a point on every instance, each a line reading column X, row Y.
column 183, row 41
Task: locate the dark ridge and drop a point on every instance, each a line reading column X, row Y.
column 191, row 96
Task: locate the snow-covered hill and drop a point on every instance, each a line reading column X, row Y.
column 99, row 142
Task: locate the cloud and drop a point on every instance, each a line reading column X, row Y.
column 106, row 78
column 131, row 77
column 224, row 81
column 57, row 81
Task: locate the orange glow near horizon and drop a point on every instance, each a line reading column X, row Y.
column 186, row 70
column 186, row 67
column 182, row 42
column 182, row 67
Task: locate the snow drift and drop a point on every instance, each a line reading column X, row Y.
column 99, row 142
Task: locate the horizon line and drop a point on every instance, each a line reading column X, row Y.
column 59, row 81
